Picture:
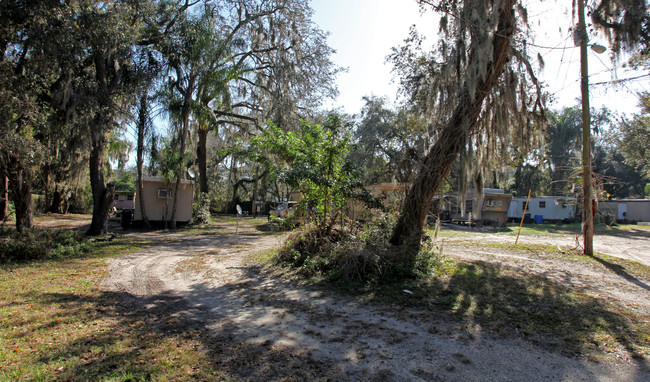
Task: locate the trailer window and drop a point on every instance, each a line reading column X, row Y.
column 494, row 203
column 542, row 204
column 164, row 193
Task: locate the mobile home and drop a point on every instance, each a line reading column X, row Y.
column 391, row 194
column 550, row 208
column 490, row 207
column 123, row 200
column 157, row 196
column 632, row 210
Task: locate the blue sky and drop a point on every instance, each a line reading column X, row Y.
column 363, row 32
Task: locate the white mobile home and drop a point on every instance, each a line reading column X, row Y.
column 158, row 201
column 551, row 208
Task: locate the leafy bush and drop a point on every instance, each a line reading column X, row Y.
column 202, row 209
column 358, row 253
column 282, row 224
column 313, row 160
column 39, row 244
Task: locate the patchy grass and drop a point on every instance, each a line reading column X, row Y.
column 543, row 230
column 576, row 229
column 628, row 269
column 510, row 301
column 222, row 225
column 56, row 324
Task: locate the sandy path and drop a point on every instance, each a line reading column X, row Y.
column 347, row 339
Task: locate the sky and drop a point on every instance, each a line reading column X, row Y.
column 364, row 31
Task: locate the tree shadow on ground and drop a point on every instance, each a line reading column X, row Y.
column 621, row 271
column 142, row 334
column 140, row 343
column 537, row 309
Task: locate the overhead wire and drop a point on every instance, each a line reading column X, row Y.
column 636, row 93
column 622, row 80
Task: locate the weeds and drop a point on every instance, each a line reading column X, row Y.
column 41, row 244
column 357, row 253
column 282, row 224
column 201, row 207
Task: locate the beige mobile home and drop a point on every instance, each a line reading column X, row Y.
column 490, row 207
column 158, row 201
column 631, row 210
column 391, row 194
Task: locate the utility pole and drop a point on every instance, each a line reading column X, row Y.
column 587, row 183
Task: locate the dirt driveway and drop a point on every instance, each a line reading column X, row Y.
column 632, row 245
column 323, row 335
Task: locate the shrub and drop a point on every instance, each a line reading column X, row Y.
column 357, row 253
column 40, row 244
column 202, row 209
column 282, row 224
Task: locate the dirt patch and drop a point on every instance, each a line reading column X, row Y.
column 633, row 246
column 280, row 328
column 58, row 221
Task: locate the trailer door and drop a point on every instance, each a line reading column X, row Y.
column 622, row 211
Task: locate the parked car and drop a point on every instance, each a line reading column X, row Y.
column 284, row 209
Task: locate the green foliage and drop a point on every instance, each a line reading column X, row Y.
column 313, row 160
column 168, row 161
column 126, row 182
column 39, row 244
column 360, row 255
column 563, row 148
column 391, row 143
column 617, row 177
column 201, row 214
column 282, row 224
column 634, row 137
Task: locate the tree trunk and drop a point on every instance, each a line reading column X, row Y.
column 55, row 205
column 437, row 163
column 254, row 197
column 202, row 158
column 185, row 132
column 46, row 185
column 102, row 195
column 181, row 167
column 4, row 196
column 21, row 185
column 587, row 171
column 142, row 126
column 108, row 81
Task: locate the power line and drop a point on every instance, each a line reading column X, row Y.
column 618, row 81
column 552, row 47
column 622, row 83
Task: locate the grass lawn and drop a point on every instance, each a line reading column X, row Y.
column 56, row 324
